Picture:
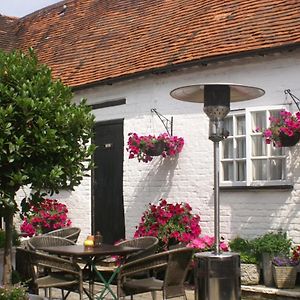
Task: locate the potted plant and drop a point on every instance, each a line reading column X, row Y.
column 42, row 217
column 284, row 131
column 171, row 223
column 250, row 269
column 267, row 246
column 144, row 147
column 284, row 269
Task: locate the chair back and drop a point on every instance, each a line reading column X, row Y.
column 37, row 269
column 174, row 263
column 178, row 265
column 70, row 233
column 41, row 241
column 148, row 245
column 25, row 269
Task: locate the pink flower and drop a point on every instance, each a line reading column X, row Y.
column 170, row 223
column 45, row 216
column 139, row 145
column 287, row 124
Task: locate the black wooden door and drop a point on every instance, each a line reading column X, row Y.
column 107, row 201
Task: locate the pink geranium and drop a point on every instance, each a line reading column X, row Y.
column 45, row 216
column 171, row 223
column 206, row 243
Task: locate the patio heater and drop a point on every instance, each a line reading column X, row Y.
column 217, row 275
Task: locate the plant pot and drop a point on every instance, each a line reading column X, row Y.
column 267, row 269
column 288, row 141
column 285, row 277
column 250, row 274
column 157, row 149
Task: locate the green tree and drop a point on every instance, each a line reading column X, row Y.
column 44, row 136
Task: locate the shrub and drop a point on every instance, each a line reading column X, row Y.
column 246, row 250
column 13, row 293
column 274, row 243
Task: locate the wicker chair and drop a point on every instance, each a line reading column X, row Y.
column 175, row 264
column 147, row 244
column 40, row 241
column 70, row 233
column 61, row 273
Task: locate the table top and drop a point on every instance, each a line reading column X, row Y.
column 82, row 251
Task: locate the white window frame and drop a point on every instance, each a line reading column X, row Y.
column 249, row 132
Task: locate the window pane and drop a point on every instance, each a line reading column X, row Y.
column 258, row 120
column 227, row 148
column 228, row 170
column 275, row 113
column 241, row 147
column 259, row 169
column 276, row 169
column 259, row 147
column 229, row 125
column 276, row 151
column 241, row 170
column 240, row 125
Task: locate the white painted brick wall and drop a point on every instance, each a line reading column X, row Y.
column 189, row 177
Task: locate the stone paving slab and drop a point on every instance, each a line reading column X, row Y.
column 259, row 289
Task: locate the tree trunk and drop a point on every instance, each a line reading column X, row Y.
column 7, row 261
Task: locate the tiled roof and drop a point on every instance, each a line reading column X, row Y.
column 96, row 40
column 7, row 32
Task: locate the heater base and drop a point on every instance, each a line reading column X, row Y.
column 217, row 276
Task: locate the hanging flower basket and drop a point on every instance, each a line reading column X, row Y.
column 289, row 141
column 284, row 131
column 156, row 149
column 145, row 147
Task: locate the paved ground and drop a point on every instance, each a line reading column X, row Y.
column 270, row 293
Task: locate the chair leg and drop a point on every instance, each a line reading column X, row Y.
column 50, row 294
column 153, row 294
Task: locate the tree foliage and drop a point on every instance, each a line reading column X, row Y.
column 44, row 136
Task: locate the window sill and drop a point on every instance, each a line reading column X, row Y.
column 286, row 187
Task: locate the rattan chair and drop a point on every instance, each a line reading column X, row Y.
column 61, row 273
column 147, row 244
column 174, row 264
column 41, row 241
column 70, row 233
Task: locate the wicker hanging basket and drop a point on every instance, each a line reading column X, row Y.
column 289, row 141
column 157, row 149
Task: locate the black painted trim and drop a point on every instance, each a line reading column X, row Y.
column 286, row 187
column 108, row 103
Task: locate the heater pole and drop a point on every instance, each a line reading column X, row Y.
column 216, row 197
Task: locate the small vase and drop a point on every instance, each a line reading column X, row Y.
column 289, row 141
column 284, row 277
column 157, row 149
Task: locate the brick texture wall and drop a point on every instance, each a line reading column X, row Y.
column 189, row 177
